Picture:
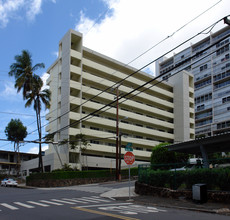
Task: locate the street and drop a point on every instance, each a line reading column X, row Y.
column 83, row 202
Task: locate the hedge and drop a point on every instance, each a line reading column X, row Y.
column 216, row 179
column 80, row 174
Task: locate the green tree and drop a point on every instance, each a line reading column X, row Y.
column 31, row 84
column 23, row 71
column 16, row 132
column 79, row 140
column 37, row 96
column 161, row 155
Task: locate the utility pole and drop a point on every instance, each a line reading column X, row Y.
column 119, row 165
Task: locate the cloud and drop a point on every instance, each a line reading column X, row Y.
column 44, row 78
column 34, row 8
column 35, row 150
column 55, row 54
column 7, row 8
column 15, row 9
column 9, row 90
column 131, row 27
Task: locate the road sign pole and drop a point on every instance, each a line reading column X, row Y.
column 129, row 182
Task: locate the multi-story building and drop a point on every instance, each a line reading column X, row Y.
column 10, row 161
column 208, row 60
column 83, row 101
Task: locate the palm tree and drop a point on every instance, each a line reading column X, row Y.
column 31, row 84
column 23, row 72
column 37, row 96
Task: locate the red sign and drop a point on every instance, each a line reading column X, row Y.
column 129, row 158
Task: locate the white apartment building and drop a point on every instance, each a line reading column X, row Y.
column 83, row 81
column 208, row 60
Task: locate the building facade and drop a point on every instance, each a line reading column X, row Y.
column 208, row 61
column 10, row 162
column 84, row 101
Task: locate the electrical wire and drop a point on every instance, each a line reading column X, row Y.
column 141, row 86
column 120, row 81
column 140, row 54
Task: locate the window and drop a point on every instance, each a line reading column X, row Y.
column 204, row 67
column 222, row 125
column 222, row 50
column 226, row 99
column 94, row 142
column 94, row 128
column 219, row 85
column 203, row 98
column 200, row 107
column 204, row 83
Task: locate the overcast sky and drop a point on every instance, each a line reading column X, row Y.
column 120, row 29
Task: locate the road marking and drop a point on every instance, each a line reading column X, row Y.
column 77, row 200
column 97, row 199
column 38, row 203
column 114, row 204
column 131, row 209
column 49, row 202
column 9, row 206
column 104, row 213
column 24, row 205
column 88, row 200
column 58, row 200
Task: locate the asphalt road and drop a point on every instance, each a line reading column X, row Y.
column 83, row 202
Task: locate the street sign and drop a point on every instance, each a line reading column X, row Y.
column 129, row 158
column 128, row 147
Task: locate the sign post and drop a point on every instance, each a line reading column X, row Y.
column 129, row 159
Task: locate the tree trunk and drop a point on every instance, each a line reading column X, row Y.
column 40, row 162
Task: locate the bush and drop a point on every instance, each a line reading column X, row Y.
column 80, row 174
column 214, row 178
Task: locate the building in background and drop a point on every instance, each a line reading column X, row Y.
column 83, row 81
column 210, row 66
column 9, row 161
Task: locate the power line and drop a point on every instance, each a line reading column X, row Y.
column 96, row 111
column 136, row 57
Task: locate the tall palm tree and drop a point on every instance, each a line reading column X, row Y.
column 37, row 96
column 31, row 85
column 23, row 71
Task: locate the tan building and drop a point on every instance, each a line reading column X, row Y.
column 159, row 112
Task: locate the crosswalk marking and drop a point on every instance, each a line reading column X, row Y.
column 49, row 202
column 77, row 200
column 38, row 203
column 58, row 200
column 97, row 199
column 88, row 200
column 9, row 206
column 46, row 203
column 24, row 205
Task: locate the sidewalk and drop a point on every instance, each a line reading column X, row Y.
column 123, row 194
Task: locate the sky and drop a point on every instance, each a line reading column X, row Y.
column 120, row 29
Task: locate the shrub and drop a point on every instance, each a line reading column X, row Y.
column 214, row 178
column 61, row 174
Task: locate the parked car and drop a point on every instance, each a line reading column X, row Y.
column 9, row 182
column 193, row 163
column 187, row 167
